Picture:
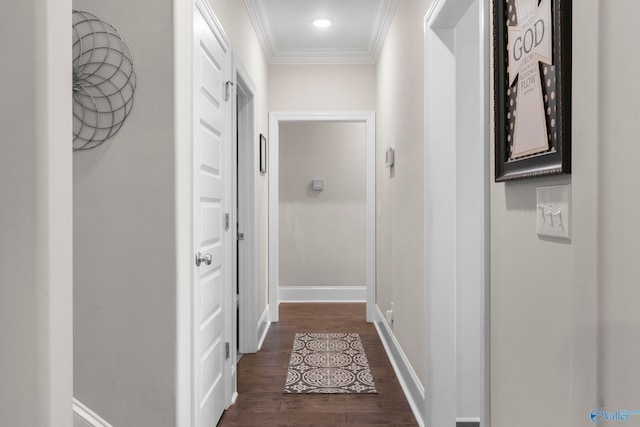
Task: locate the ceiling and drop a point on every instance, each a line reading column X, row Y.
column 287, row 36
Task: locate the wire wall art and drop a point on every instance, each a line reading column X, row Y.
column 104, row 81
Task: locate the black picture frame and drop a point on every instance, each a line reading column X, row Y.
column 554, row 84
column 263, row 154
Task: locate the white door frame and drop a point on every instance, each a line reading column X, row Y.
column 445, row 184
column 246, row 188
column 275, row 119
column 183, row 82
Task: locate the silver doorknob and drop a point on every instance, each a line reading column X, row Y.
column 207, row 258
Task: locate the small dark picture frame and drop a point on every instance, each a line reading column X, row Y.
column 532, row 98
column 263, row 154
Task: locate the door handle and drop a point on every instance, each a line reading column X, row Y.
column 207, row 259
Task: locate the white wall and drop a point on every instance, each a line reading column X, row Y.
column 619, row 222
column 400, row 192
column 547, row 296
column 585, row 199
column 531, row 297
column 322, row 233
column 322, row 88
column 124, row 237
column 36, row 360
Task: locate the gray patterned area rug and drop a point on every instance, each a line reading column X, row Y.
column 328, row 363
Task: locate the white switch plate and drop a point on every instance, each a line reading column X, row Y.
column 553, row 211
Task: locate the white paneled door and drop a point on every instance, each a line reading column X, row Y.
column 211, row 195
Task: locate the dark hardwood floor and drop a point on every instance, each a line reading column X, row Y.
column 261, row 377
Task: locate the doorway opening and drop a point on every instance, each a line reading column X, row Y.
column 457, row 212
column 275, row 120
column 245, row 300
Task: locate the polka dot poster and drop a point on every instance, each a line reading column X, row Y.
column 548, row 86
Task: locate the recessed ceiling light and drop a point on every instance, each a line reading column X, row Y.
column 322, row 22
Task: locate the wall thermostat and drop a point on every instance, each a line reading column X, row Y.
column 389, row 157
column 317, row 185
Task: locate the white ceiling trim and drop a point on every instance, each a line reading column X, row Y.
column 262, row 26
column 383, row 22
column 274, row 55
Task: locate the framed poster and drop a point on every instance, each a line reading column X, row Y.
column 532, row 71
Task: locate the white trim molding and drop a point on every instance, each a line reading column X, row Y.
column 413, row 389
column 245, row 210
column 274, row 54
column 263, row 327
column 182, row 92
column 457, row 211
column 468, row 420
column 89, row 417
column 322, row 293
column 275, row 118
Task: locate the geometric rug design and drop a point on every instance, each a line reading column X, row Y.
column 328, row 363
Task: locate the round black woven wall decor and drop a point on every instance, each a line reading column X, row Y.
column 104, row 81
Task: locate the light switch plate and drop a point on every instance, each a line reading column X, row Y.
column 553, row 211
column 317, row 185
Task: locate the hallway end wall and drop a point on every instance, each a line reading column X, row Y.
column 322, row 233
column 326, row 88
column 322, row 87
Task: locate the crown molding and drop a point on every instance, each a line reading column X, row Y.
column 274, row 55
column 323, row 56
column 261, row 26
column 383, row 23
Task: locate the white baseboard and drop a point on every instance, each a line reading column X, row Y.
column 322, row 293
column 468, row 420
column 263, row 326
column 89, row 417
column 413, row 389
column 234, row 398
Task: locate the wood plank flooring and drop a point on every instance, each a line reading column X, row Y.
column 261, row 377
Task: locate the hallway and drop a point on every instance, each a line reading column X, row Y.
column 261, row 376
